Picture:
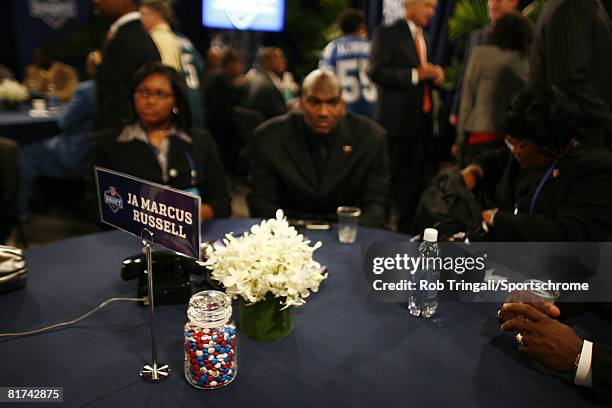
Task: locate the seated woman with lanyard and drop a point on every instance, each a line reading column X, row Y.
column 158, row 144
column 545, row 185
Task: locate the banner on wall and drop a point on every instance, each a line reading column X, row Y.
column 44, row 22
column 55, row 13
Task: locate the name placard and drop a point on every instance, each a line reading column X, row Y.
column 132, row 204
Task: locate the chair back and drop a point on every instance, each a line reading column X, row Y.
column 246, row 120
column 9, row 156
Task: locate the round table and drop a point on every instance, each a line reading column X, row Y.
column 20, row 126
column 343, row 351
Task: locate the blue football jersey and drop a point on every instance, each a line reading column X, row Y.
column 348, row 57
column 193, row 68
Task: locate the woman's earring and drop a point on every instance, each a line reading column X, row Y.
column 175, row 110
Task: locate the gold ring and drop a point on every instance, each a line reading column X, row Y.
column 500, row 318
column 520, row 339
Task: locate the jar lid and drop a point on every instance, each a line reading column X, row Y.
column 209, row 308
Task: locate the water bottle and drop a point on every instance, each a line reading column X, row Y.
column 424, row 302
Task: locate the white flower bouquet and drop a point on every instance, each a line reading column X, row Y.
column 13, row 91
column 273, row 259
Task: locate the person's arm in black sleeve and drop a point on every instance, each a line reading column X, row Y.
column 601, row 366
column 493, row 164
column 382, row 71
column 586, row 214
column 212, row 184
column 374, row 202
column 116, row 102
column 264, row 198
column 124, row 59
column 568, row 52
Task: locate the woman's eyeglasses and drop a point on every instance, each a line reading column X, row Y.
column 515, row 144
column 158, row 95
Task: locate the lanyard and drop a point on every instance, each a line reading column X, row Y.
column 192, row 166
column 540, row 186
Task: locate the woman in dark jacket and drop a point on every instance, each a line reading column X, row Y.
column 157, row 144
column 546, row 187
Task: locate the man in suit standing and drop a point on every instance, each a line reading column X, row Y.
column 224, row 88
column 478, row 37
column 312, row 161
column 399, row 64
column 264, row 93
column 128, row 46
column 176, row 51
column 572, row 50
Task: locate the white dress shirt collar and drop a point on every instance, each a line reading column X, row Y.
column 413, row 27
column 124, row 19
column 413, row 31
column 135, row 132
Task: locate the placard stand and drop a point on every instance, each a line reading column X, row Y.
column 155, row 371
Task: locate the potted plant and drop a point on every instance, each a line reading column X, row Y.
column 270, row 269
column 12, row 93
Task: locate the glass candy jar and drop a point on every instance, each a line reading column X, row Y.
column 210, row 341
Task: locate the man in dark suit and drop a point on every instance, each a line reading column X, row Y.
column 496, row 9
column 399, row 66
column 556, row 345
column 224, row 88
column 309, row 163
column 128, row 46
column 572, row 50
column 264, row 94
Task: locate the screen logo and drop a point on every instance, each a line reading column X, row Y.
column 256, row 15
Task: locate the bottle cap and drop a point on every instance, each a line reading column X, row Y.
column 430, row 235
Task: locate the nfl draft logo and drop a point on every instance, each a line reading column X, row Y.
column 242, row 14
column 113, row 199
column 241, row 20
column 54, row 13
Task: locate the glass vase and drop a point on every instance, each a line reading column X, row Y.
column 264, row 320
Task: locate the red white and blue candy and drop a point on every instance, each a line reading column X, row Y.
column 210, row 356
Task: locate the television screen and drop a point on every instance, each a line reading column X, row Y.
column 257, row 15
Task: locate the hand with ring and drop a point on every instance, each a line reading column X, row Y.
column 551, row 342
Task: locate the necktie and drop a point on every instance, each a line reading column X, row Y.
column 418, row 40
column 320, row 158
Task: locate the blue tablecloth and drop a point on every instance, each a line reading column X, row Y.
column 23, row 128
column 343, row 350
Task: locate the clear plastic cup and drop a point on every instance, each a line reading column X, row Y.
column 348, row 220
